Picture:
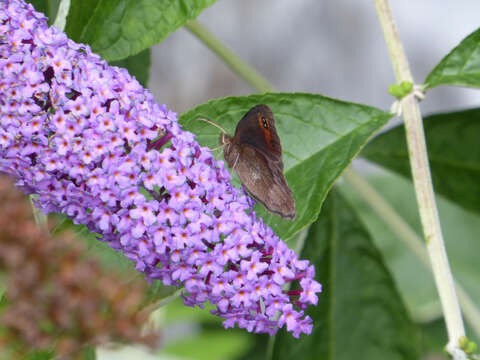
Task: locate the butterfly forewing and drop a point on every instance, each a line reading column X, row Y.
column 255, row 153
column 257, row 129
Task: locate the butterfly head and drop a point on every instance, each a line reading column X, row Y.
column 225, row 139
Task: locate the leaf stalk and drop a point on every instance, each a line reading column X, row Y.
column 246, row 72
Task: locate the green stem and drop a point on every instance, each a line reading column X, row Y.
column 423, row 183
column 246, row 72
column 406, row 234
column 61, row 18
column 165, row 301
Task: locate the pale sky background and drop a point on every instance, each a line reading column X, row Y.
column 335, row 48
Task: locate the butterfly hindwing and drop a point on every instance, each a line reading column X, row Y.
column 265, row 181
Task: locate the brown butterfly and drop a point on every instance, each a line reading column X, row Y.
column 255, row 153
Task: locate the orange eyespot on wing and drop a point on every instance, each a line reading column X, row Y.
column 265, row 126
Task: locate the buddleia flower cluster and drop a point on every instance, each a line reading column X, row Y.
column 92, row 144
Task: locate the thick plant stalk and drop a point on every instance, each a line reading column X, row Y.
column 423, row 184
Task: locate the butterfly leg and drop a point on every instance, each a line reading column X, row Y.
column 250, row 201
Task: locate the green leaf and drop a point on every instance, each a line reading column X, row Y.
column 88, row 353
column 177, row 312
column 3, row 298
column 460, row 229
column 416, row 284
column 460, row 67
column 433, row 339
column 40, row 5
column 47, row 7
column 452, row 143
column 360, row 314
column 227, row 346
column 109, row 257
column 117, row 29
column 40, row 355
column 157, row 291
column 200, row 331
column 137, row 65
column 320, row 137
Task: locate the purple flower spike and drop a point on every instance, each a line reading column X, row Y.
column 82, row 136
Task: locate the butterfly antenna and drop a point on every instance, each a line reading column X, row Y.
column 214, row 124
column 218, row 147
